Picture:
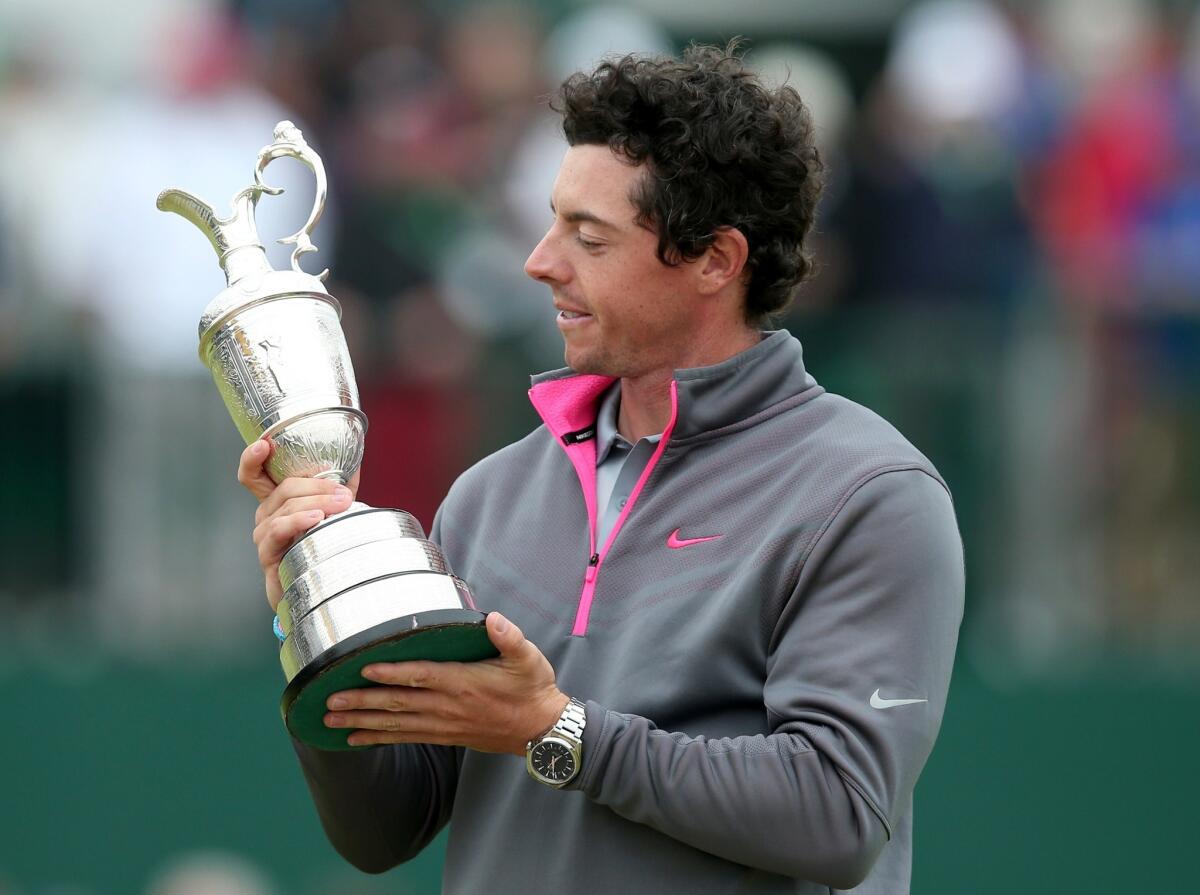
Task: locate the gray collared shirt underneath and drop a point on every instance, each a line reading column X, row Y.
column 619, row 464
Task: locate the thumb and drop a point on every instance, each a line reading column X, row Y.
column 251, row 468
column 505, row 636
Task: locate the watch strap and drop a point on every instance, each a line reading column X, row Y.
column 571, row 722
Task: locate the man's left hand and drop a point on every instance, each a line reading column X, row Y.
column 495, row 705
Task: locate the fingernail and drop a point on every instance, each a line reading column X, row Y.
column 334, row 721
column 501, row 623
column 338, row 702
column 370, row 673
column 314, row 515
column 260, row 447
column 341, row 492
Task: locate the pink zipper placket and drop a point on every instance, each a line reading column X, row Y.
column 564, row 417
column 579, row 629
column 568, row 408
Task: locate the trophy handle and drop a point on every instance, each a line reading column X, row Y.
column 290, row 143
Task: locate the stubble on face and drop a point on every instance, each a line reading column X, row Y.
column 624, row 345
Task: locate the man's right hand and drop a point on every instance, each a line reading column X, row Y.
column 286, row 510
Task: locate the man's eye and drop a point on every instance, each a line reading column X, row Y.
column 587, row 243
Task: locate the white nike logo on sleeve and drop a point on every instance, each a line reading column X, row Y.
column 878, row 702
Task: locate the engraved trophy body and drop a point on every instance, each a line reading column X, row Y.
column 364, row 585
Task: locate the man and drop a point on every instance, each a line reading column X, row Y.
column 750, row 589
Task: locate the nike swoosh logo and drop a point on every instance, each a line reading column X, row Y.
column 878, row 702
column 674, row 541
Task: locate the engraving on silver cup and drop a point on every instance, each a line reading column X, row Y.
column 364, row 585
column 262, row 359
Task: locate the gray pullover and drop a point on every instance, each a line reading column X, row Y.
column 764, row 643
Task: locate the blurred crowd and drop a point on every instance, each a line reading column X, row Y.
column 1009, row 270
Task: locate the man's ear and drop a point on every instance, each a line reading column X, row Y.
column 723, row 262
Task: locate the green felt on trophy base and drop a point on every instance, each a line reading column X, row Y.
column 442, row 635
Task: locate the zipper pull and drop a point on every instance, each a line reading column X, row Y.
column 592, row 566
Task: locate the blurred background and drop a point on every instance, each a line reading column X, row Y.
column 1009, row 252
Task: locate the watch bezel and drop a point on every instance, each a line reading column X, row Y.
column 570, row 748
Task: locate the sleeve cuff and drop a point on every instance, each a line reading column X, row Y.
column 596, row 734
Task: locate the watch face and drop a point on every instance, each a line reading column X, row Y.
column 552, row 760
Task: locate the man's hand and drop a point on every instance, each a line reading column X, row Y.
column 286, row 511
column 496, row 705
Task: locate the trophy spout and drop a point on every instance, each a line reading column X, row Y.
column 234, row 239
column 196, row 211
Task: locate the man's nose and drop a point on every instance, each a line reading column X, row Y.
column 543, row 264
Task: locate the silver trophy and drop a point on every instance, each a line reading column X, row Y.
column 365, row 585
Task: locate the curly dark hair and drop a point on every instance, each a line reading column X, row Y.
column 723, row 151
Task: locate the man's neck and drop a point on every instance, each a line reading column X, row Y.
column 646, row 399
column 645, row 406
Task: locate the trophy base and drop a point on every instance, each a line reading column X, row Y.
column 439, row 635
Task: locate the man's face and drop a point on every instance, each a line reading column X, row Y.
column 622, row 312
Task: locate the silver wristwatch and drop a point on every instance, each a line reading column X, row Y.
column 555, row 757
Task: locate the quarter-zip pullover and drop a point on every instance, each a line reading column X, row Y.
column 764, row 643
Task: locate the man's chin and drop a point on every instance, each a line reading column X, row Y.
column 585, row 362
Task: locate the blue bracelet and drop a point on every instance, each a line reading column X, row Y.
column 278, row 629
